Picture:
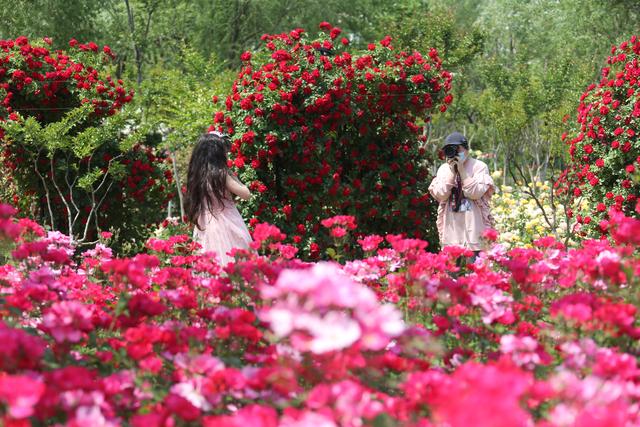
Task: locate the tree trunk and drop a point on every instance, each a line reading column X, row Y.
column 136, row 46
column 176, row 176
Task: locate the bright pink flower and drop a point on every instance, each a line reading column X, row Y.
column 490, row 234
column 251, row 415
column 19, row 350
column 338, row 232
column 68, row 321
column 494, row 392
column 266, row 233
column 20, row 394
column 306, row 419
column 371, row 242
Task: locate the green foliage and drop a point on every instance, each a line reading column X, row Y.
column 58, row 19
column 179, row 101
column 83, row 173
column 418, row 25
column 519, row 66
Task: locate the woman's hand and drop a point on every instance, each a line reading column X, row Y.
column 453, row 164
column 457, row 166
column 235, row 186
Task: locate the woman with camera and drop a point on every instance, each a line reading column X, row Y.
column 463, row 187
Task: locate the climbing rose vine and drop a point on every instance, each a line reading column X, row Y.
column 320, row 129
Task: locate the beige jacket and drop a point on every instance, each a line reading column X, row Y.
column 464, row 228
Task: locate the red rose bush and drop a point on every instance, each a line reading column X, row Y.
column 542, row 336
column 320, row 130
column 604, row 144
column 69, row 153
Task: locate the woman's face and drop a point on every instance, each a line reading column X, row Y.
column 463, row 153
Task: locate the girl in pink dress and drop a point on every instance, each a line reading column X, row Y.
column 219, row 227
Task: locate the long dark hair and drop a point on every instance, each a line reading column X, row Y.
column 207, row 176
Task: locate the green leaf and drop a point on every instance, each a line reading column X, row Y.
column 86, row 182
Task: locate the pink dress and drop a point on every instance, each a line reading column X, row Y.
column 223, row 231
column 464, row 228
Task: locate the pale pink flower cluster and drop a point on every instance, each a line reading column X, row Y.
column 495, row 303
column 592, row 398
column 60, row 241
column 321, row 309
column 307, row 419
column 100, row 252
column 348, row 401
column 365, row 270
column 523, row 350
column 577, row 354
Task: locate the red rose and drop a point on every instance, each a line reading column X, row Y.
column 418, row 78
column 281, row 55
column 490, row 234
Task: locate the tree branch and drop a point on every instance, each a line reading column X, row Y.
column 64, row 201
column 46, row 189
column 71, row 186
column 136, row 46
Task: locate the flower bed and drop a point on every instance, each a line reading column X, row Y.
column 539, row 336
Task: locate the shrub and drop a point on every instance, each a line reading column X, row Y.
column 604, row 144
column 319, row 131
column 71, row 158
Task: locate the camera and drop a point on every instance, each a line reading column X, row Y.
column 450, row 151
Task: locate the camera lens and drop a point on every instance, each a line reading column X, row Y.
column 450, row 151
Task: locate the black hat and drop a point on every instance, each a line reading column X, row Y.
column 455, row 138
